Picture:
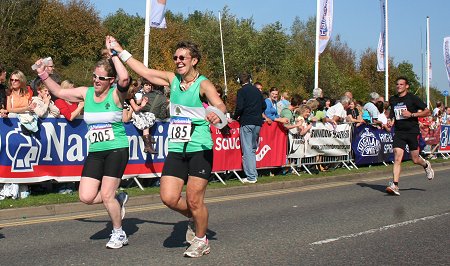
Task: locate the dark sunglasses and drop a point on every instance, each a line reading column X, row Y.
column 14, row 80
column 95, row 76
column 181, row 57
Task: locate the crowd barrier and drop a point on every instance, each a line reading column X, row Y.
column 57, row 151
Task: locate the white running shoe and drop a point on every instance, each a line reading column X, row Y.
column 117, row 240
column 393, row 189
column 245, row 180
column 197, row 249
column 429, row 171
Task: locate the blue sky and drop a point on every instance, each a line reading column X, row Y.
column 356, row 21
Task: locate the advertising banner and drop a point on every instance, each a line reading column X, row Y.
column 328, row 140
column 58, row 150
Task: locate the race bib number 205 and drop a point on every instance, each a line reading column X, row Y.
column 180, row 129
column 100, row 133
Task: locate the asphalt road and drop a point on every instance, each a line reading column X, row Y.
column 336, row 223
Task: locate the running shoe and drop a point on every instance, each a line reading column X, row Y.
column 245, row 180
column 190, row 233
column 117, row 240
column 429, row 171
column 197, row 249
column 393, row 189
column 122, row 198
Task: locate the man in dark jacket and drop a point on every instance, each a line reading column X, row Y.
column 250, row 106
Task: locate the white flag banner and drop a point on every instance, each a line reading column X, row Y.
column 381, row 40
column 326, row 23
column 447, row 57
column 157, row 14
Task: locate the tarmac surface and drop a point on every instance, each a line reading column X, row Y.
column 80, row 208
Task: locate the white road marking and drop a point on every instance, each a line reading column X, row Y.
column 383, row 228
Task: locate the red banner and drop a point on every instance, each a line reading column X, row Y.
column 227, row 147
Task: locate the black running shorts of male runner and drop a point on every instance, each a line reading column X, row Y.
column 182, row 165
column 106, row 163
column 401, row 139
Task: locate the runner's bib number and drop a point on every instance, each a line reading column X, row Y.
column 100, row 133
column 180, row 129
column 398, row 110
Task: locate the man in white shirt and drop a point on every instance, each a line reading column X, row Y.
column 372, row 109
column 337, row 113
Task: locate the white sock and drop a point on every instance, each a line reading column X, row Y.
column 201, row 239
column 118, row 230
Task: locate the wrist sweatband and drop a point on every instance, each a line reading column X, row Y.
column 124, row 56
column 43, row 76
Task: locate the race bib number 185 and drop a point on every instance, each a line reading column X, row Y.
column 180, row 129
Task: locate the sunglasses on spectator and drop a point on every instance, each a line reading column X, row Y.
column 14, row 80
column 95, row 76
column 181, row 57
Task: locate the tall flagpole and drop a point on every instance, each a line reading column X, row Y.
column 428, row 62
column 386, row 54
column 223, row 56
column 316, row 57
column 147, row 32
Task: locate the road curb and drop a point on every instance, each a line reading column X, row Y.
column 78, row 207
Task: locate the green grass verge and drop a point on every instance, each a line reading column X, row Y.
column 55, row 198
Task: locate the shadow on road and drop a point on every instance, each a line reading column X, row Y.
column 178, row 236
column 382, row 188
column 176, row 239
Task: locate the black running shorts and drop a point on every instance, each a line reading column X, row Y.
column 182, row 165
column 106, row 163
column 401, row 139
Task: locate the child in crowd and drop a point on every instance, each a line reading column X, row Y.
column 42, row 104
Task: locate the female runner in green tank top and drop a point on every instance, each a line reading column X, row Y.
column 190, row 143
column 108, row 143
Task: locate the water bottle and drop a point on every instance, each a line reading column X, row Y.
column 45, row 61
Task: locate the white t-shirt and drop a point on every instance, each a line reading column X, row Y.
column 336, row 110
column 382, row 118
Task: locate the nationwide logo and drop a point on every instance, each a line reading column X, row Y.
column 368, row 145
column 262, row 152
column 27, row 154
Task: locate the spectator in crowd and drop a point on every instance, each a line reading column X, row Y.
column 271, row 107
column 405, row 108
column 18, row 101
column 3, row 88
column 50, row 69
column 303, row 119
column 19, row 95
column 290, row 113
column 147, row 109
column 353, row 114
column 328, row 103
column 349, row 94
column 42, row 105
column 317, row 114
column 317, row 93
column 283, row 102
column 438, row 109
column 259, row 86
column 371, row 108
column 320, row 112
column 190, row 155
column 70, row 110
column 127, row 109
column 109, row 146
column 385, row 122
column 338, row 112
column 446, row 116
column 250, row 106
